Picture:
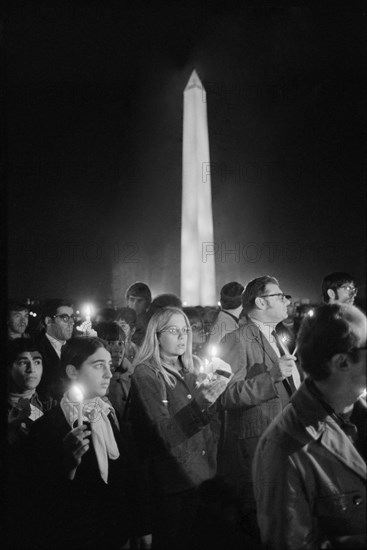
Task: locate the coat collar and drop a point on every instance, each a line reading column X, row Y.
column 319, row 425
column 252, row 333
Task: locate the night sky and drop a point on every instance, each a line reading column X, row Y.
column 93, row 95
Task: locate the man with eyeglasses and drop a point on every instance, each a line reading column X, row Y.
column 310, row 464
column 265, row 376
column 339, row 287
column 58, row 318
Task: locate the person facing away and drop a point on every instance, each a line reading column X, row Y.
column 309, row 469
column 265, row 375
column 339, row 287
column 228, row 316
column 172, row 415
column 79, row 457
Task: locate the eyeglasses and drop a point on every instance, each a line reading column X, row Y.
column 359, row 349
column 349, row 288
column 283, row 296
column 66, row 318
column 177, row 331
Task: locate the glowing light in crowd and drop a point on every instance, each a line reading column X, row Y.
column 77, row 395
column 88, row 312
column 311, row 313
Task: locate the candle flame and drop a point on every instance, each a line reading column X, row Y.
column 77, row 393
column 213, row 351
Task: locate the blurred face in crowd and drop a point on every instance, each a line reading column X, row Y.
column 94, row 374
column 345, row 294
column 138, row 303
column 18, row 321
column 358, row 368
column 26, row 371
column 61, row 325
column 198, row 332
column 173, row 338
column 274, row 304
column 126, row 328
column 117, row 351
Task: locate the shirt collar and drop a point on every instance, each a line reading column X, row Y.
column 266, row 328
column 57, row 344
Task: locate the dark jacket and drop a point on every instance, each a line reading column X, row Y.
column 310, row 480
column 173, row 435
column 52, row 381
column 82, row 513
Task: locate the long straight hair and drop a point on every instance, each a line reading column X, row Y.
column 149, row 353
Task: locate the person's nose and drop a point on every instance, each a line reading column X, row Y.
column 107, row 372
column 31, row 367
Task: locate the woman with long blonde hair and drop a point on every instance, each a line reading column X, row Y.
column 173, row 414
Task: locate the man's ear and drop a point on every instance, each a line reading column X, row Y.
column 71, row 372
column 331, row 294
column 340, row 362
column 260, row 303
column 48, row 321
column 133, row 331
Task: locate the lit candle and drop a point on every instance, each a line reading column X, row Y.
column 88, row 313
column 213, row 351
column 77, row 394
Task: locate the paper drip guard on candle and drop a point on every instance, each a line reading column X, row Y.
column 77, row 394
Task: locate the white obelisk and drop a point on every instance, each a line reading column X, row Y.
column 197, row 267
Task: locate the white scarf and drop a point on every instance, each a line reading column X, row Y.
column 95, row 411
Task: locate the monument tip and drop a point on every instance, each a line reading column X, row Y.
column 194, row 81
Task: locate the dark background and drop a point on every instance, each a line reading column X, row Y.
column 93, row 96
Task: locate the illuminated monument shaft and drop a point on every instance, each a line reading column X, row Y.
column 197, row 268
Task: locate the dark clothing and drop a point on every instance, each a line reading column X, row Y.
column 178, row 446
column 19, row 507
column 176, row 437
column 52, row 381
column 141, row 324
column 309, row 478
column 84, row 512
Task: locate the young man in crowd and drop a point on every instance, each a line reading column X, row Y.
column 339, row 287
column 18, row 317
column 138, row 297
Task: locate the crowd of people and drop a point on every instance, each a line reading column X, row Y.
column 175, row 428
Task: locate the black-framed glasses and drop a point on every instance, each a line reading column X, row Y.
column 176, row 331
column 359, row 349
column 349, row 288
column 283, row 296
column 65, row 317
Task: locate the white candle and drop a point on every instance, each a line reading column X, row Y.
column 88, row 313
column 78, row 396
